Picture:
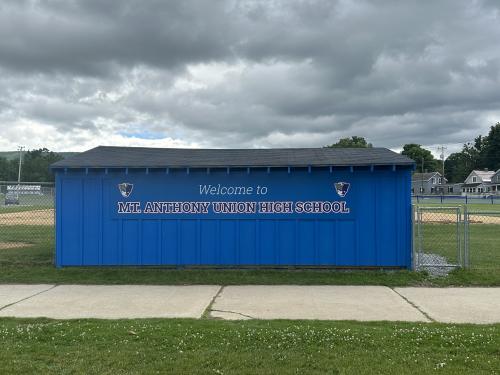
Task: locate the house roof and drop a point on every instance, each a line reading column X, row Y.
column 424, row 176
column 485, row 176
column 141, row 157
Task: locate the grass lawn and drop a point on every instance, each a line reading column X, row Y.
column 184, row 346
column 484, row 246
column 34, row 264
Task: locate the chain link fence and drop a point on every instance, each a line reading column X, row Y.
column 452, row 237
column 439, row 234
column 26, row 215
column 483, row 239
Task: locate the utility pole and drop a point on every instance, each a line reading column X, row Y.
column 442, row 149
column 20, row 149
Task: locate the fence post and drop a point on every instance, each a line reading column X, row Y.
column 413, row 255
column 419, row 228
column 466, row 238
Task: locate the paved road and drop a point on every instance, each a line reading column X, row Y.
column 364, row 303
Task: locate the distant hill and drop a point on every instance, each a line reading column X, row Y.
column 15, row 154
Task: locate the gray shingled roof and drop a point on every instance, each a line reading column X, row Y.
column 141, row 157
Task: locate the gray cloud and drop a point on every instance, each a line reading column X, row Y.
column 74, row 74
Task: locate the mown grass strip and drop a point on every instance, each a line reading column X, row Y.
column 250, row 347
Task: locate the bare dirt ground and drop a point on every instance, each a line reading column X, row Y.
column 12, row 245
column 35, row 217
column 441, row 217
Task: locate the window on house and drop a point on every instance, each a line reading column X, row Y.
column 421, row 189
column 440, row 180
column 463, row 190
column 473, row 190
column 450, row 189
column 433, row 181
column 474, row 179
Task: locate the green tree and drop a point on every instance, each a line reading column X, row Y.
column 36, row 165
column 490, row 149
column 353, row 142
column 8, row 169
column 423, row 157
column 457, row 167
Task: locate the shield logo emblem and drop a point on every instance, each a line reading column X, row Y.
column 125, row 189
column 342, row 188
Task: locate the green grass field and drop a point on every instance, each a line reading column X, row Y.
column 484, row 246
column 184, row 346
column 35, row 264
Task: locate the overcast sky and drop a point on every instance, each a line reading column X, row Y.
column 225, row 74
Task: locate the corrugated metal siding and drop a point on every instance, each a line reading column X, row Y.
column 377, row 232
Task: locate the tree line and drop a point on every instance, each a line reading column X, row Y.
column 482, row 153
column 35, row 166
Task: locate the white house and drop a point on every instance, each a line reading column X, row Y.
column 495, row 183
column 478, row 182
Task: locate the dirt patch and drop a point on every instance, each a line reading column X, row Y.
column 446, row 218
column 13, row 245
column 35, row 217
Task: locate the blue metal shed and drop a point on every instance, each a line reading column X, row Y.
column 256, row 207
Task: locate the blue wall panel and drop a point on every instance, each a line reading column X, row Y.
column 151, row 242
column 189, row 242
column 174, row 217
column 326, row 233
column 366, row 223
column 306, row 243
column 346, row 243
column 91, row 206
column 267, row 242
column 170, row 242
column 247, row 242
column 209, row 237
column 130, row 243
column 286, row 242
column 228, row 237
column 386, row 230
column 70, row 225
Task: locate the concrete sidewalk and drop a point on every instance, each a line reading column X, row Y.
column 364, row 303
